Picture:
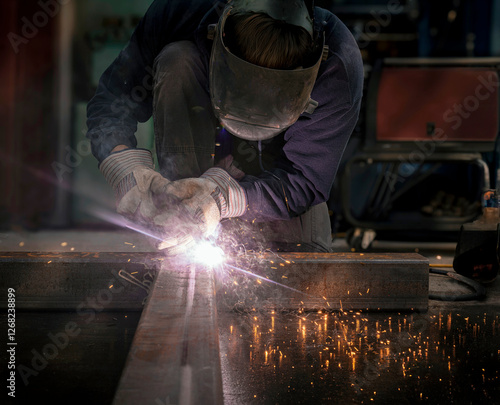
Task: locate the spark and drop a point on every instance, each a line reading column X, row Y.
column 116, row 219
column 268, row 280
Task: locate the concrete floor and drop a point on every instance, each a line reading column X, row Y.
column 451, row 354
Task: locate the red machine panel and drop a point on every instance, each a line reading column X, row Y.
column 440, row 103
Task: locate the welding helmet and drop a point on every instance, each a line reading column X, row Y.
column 254, row 102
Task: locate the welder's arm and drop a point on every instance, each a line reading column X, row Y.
column 114, row 111
column 304, row 174
column 124, row 94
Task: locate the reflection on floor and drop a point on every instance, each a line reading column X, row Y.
column 353, row 357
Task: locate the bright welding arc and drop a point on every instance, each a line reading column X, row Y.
column 208, row 254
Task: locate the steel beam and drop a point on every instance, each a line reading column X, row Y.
column 174, row 358
column 393, row 281
column 78, row 280
column 309, row 281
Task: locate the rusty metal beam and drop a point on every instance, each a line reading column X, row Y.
column 174, row 357
column 50, row 281
column 392, row 281
column 309, row 281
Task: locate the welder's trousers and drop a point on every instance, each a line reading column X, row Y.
column 185, row 137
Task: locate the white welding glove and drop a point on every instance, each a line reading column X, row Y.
column 208, row 199
column 140, row 191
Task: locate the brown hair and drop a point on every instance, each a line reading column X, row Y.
column 264, row 41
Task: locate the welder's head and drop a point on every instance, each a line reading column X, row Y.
column 264, row 62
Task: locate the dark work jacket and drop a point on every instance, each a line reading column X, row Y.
column 312, row 147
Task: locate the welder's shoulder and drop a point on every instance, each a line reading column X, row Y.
column 344, row 52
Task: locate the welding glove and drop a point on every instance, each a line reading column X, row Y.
column 208, row 199
column 140, row 191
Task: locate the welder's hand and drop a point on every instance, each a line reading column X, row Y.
column 140, row 191
column 204, row 202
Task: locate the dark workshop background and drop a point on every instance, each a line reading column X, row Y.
column 53, row 53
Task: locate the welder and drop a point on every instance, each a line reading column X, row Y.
column 253, row 103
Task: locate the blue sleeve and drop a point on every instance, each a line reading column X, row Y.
column 124, row 93
column 315, row 143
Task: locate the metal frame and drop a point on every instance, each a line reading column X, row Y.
column 390, row 152
column 383, row 187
